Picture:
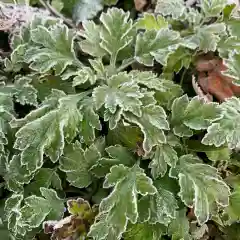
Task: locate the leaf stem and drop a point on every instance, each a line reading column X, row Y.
column 182, row 77
column 127, row 63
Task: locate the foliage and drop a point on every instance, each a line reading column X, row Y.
column 99, row 139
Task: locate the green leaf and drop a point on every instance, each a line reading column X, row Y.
column 234, row 203
column 91, row 43
column 156, row 45
column 170, row 7
column 232, row 67
column 90, row 120
column 223, row 154
column 150, row 22
column 213, row 8
column 36, row 209
column 117, row 155
column 22, row 91
column 117, row 33
column 53, row 50
column 115, row 211
column 164, row 155
column 46, row 134
column 84, row 10
column 152, row 123
column 76, row 163
column 194, row 114
column 207, row 37
column 158, row 208
column 46, row 177
column 110, row 2
column 145, row 231
column 226, row 130
column 178, row 229
column 120, row 91
column 201, row 186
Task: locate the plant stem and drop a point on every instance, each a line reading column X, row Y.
column 182, row 77
column 127, row 63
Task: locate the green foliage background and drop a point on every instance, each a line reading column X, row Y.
column 101, row 133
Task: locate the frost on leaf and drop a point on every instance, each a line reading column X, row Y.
column 232, row 64
column 164, row 155
column 158, row 45
column 91, row 42
column 6, row 115
column 213, row 8
column 116, row 155
column 45, row 177
column 200, row 186
column 77, row 162
column 179, row 227
column 36, row 209
column 90, row 120
column 46, row 134
column 120, row 207
column 13, row 214
column 145, row 231
column 227, row 129
column 52, row 49
column 22, row 91
column 149, row 22
column 121, row 91
column 16, row 175
column 153, row 122
column 158, row 208
column 85, row 9
column 194, row 114
column 115, row 33
column 171, row 7
column 206, row 37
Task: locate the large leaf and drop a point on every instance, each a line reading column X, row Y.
column 200, row 186
column 152, row 123
column 158, row 45
column 194, row 114
column 213, row 8
column 120, row 207
column 53, row 50
column 46, row 133
column 76, row 163
column 226, row 130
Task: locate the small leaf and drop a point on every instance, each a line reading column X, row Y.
column 226, row 130
column 170, row 7
column 76, row 163
column 122, row 92
column 194, row 114
column 145, row 231
column 164, row 155
column 117, row 155
column 149, row 22
column 152, row 123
